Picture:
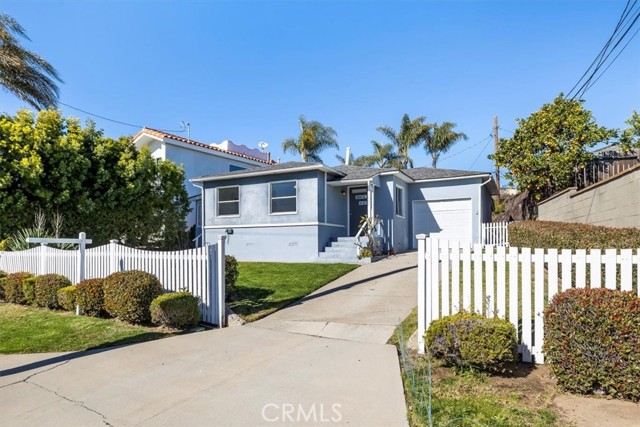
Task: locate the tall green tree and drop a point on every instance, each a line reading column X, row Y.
column 630, row 137
column 410, row 135
column 22, row 72
column 99, row 185
column 549, row 145
column 383, row 156
column 440, row 139
column 313, row 138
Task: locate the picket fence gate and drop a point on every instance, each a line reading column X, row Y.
column 512, row 283
column 495, row 233
column 200, row 271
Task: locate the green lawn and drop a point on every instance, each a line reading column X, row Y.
column 26, row 329
column 265, row 287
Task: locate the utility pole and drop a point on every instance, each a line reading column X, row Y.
column 496, row 143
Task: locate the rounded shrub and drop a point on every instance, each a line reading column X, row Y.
column 47, row 287
column 29, row 290
column 12, row 286
column 230, row 270
column 592, row 341
column 128, row 295
column 176, row 310
column 90, row 297
column 469, row 341
column 67, row 298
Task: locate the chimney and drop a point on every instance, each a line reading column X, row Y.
column 348, row 155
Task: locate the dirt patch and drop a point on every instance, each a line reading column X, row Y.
column 538, row 387
column 591, row 411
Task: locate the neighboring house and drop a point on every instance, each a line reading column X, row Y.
column 198, row 159
column 612, row 201
column 296, row 211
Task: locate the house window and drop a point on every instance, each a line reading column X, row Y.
column 233, row 168
column 228, row 201
column 283, row 197
column 399, row 201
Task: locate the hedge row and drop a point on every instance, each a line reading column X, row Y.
column 128, row 296
column 591, row 342
column 562, row 235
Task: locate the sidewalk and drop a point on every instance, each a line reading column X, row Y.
column 257, row 375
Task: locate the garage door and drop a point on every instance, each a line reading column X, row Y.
column 443, row 219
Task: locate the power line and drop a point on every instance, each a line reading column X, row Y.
column 113, row 120
column 612, row 61
column 606, row 45
column 468, row 148
column 506, row 130
column 588, row 83
column 627, row 20
column 477, row 158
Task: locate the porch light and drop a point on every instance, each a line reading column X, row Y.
column 343, row 192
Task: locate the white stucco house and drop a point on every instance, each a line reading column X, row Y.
column 197, row 159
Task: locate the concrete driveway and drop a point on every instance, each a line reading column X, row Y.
column 321, row 361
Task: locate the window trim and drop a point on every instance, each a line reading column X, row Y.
column 295, row 181
column 227, row 201
column 399, row 203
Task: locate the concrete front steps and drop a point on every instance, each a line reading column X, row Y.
column 343, row 251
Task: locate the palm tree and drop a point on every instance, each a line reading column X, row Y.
column 411, row 133
column 383, row 157
column 440, row 139
column 314, row 137
column 23, row 73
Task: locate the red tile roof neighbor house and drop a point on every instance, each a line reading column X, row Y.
column 239, row 150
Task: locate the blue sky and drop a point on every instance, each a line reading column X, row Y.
column 245, row 71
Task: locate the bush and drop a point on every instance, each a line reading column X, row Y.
column 230, row 270
column 591, row 341
column 67, row 298
column 90, row 297
column 29, row 290
column 12, row 286
column 562, row 235
column 128, row 295
column 3, row 274
column 47, row 287
column 176, row 310
column 469, row 341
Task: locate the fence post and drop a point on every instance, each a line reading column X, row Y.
column 113, row 262
column 422, row 284
column 221, row 282
column 43, row 258
column 82, row 244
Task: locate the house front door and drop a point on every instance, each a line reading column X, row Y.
column 358, row 201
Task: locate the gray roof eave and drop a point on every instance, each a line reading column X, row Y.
column 268, row 171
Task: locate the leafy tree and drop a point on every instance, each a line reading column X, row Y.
column 99, row 185
column 630, row 137
column 440, row 139
column 314, row 137
column 411, row 133
column 549, row 145
column 23, row 73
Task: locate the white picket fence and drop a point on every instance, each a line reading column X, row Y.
column 200, row 271
column 512, row 283
column 495, row 233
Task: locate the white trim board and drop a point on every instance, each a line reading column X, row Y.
column 291, row 224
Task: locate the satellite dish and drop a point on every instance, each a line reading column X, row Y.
column 263, row 145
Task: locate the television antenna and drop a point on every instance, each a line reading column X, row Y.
column 186, row 126
column 263, row 145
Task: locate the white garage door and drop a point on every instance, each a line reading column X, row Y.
column 443, row 219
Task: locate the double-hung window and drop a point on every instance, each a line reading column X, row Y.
column 283, row 197
column 229, row 201
column 399, row 201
